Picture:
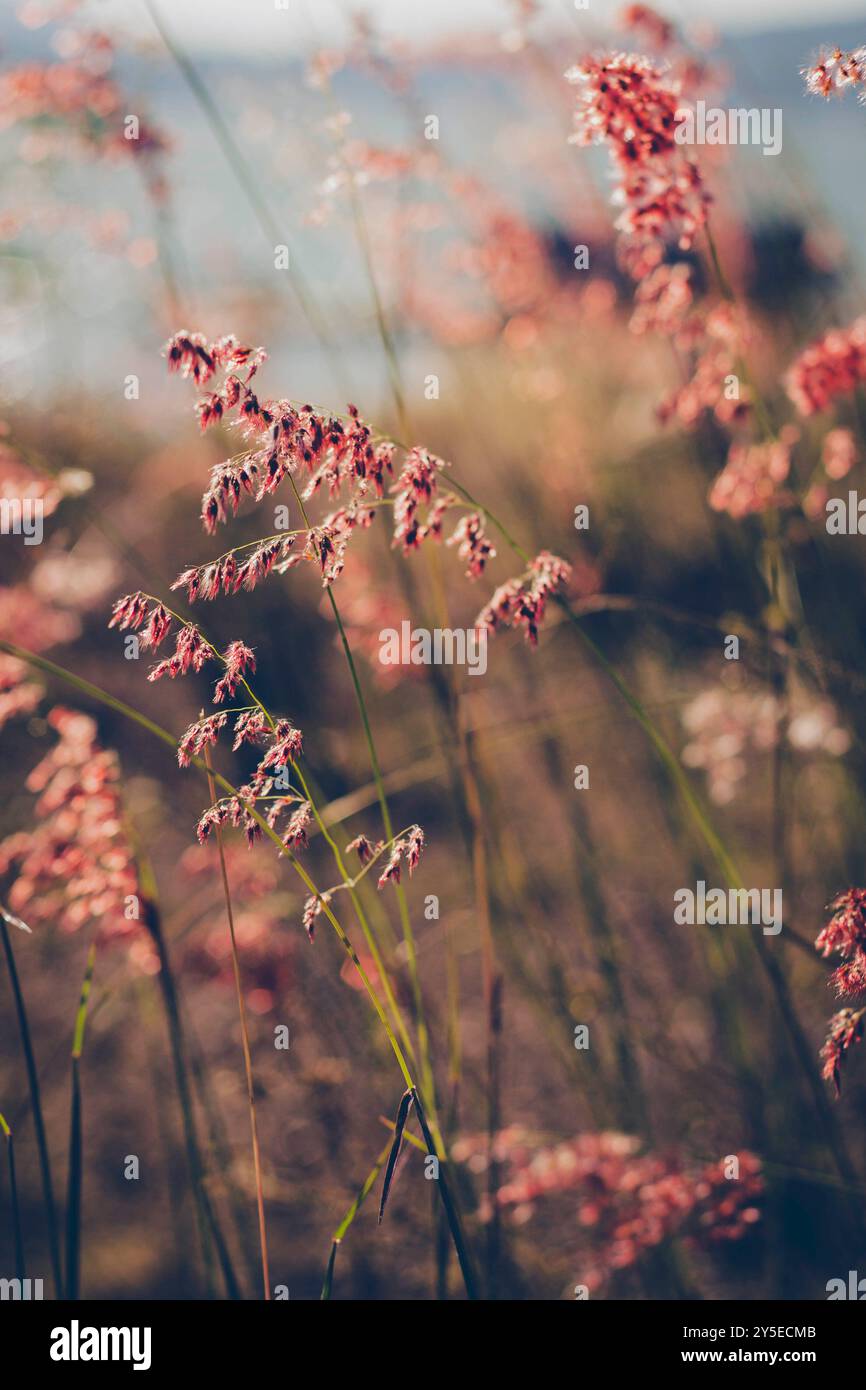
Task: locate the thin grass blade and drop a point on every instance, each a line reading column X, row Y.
column 363, row 1194
column 35, row 1098
column 73, row 1191
column 399, row 1125
column 13, row 1199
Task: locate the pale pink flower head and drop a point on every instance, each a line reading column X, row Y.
column 663, row 299
column 76, row 102
column 838, row 453
column 76, row 868
column 716, row 338
column 19, row 695
column 726, row 730
column 624, row 1202
column 835, row 72
column 627, row 103
column 522, row 602
column 833, row 366
column 752, row 477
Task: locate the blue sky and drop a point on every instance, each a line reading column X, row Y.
column 252, row 27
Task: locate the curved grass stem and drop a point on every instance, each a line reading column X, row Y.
column 36, row 1108
column 245, row 1040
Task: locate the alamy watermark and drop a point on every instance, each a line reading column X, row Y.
column 77, row 1343
column 22, row 516
column 21, row 1290
column 846, row 516
column 439, row 646
column 720, row 907
column 854, row 1288
column 712, row 125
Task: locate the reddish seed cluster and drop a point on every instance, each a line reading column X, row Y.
column 408, row 850
column 286, row 747
column 335, row 453
column 835, row 72
column 193, row 356
column 202, row 734
column 283, row 747
column 312, row 909
column 139, row 611
column 76, row 868
column 130, row 612
column 844, row 1029
column 227, row 575
column 283, row 742
column 331, row 452
column 326, row 545
column 845, row 933
column 472, row 544
column 191, row 652
column 417, row 486
column 242, row 813
column 833, row 366
column 250, row 727
column 363, row 848
column 295, row 833
column 625, row 102
column 239, row 662
column 628, row 1202
column 288, row 439
column 234, row 811
column 522, row 602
